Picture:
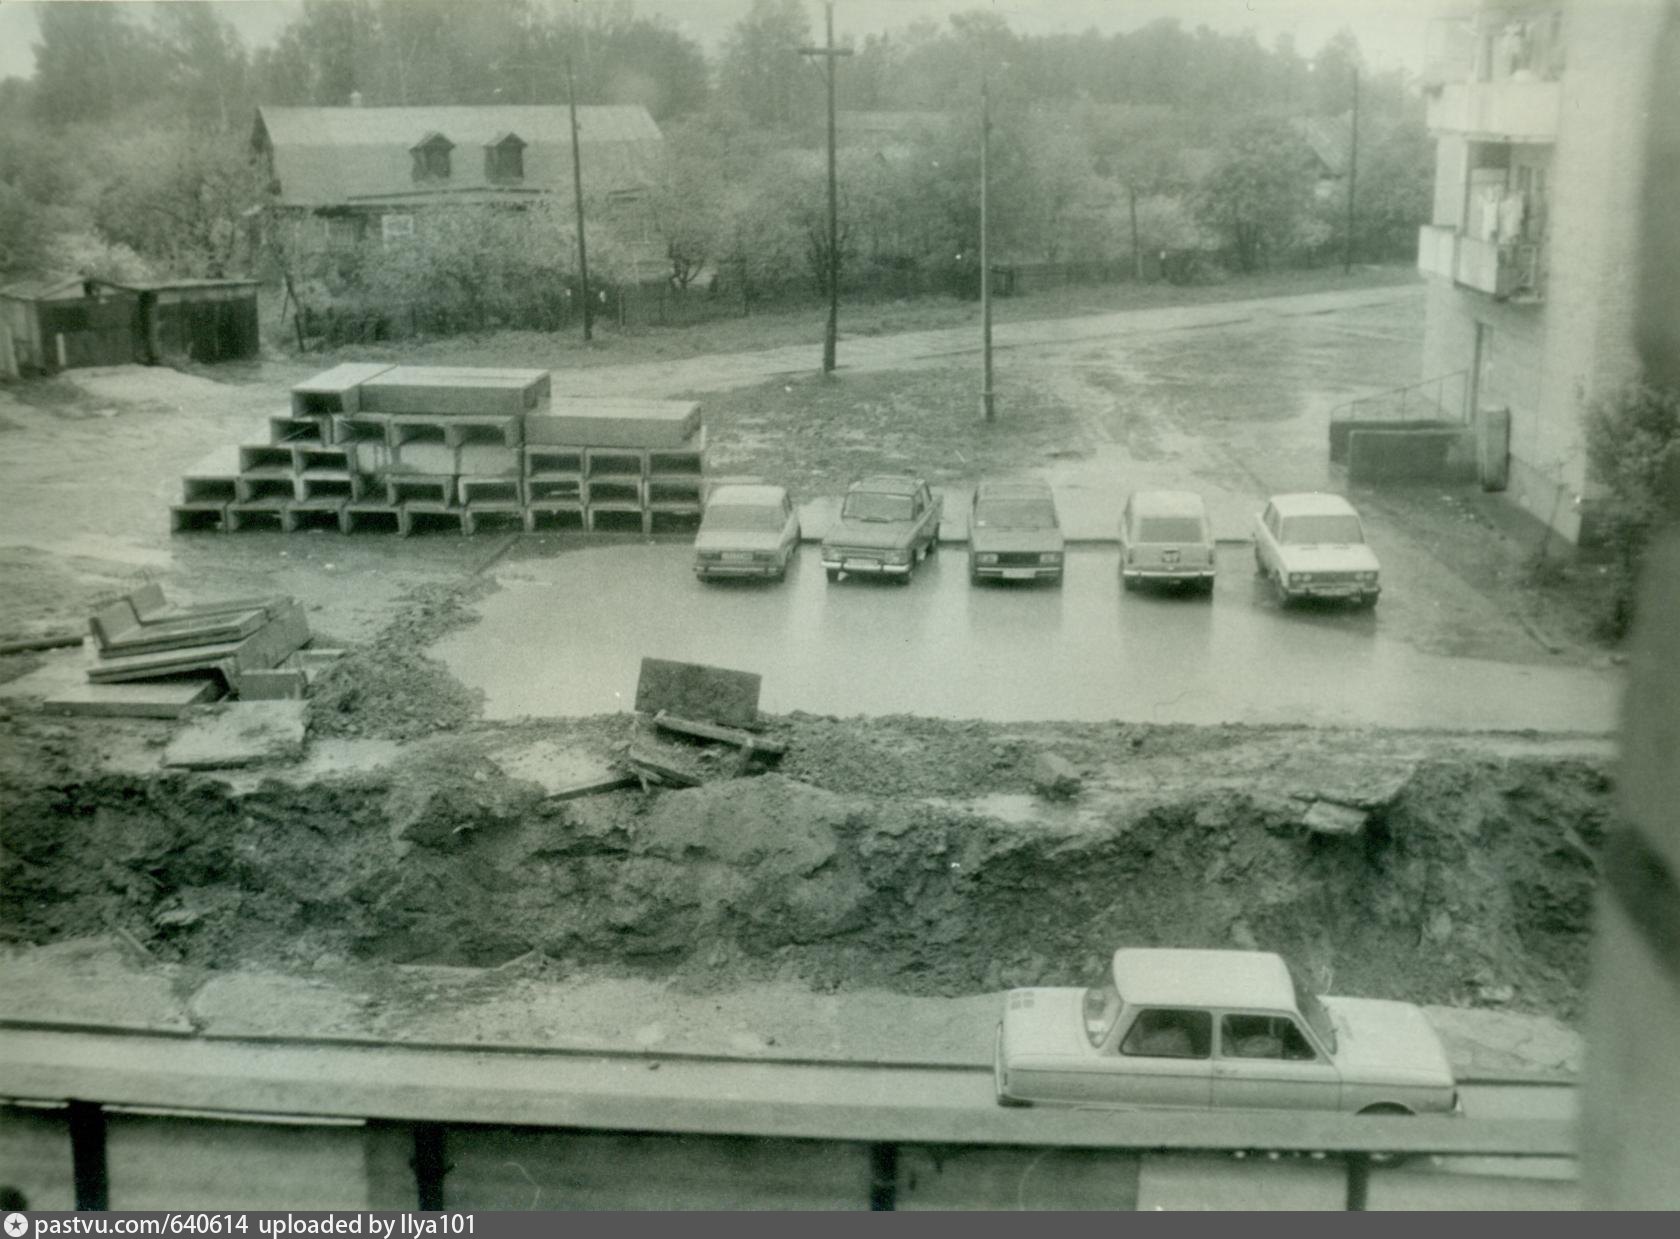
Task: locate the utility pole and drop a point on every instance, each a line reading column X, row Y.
column 986, row 406
column 828, row 52
column 577, row 191
column 1353, row 172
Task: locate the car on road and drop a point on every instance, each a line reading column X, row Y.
column 1313, row 546
column 888, row 524
column 1217, row 1030
column 1165, row 536
column 746, row 531
column 1013, row 533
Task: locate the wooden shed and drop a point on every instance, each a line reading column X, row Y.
column 57, row 322
column 62, row 322
column 204, row 320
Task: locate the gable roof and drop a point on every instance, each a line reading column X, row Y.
column 1329, row 138
column 351, row 155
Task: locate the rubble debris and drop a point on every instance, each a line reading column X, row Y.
column 1328, row 818
column 272, row 684
column 650, row 769
column 750, row 745
column 1054, row 777
column 240, row 733
column 284, row 632
column 697, row 691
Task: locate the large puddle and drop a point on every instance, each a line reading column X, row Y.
column 565, row 637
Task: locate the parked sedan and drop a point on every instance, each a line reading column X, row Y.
column 888, row 523
column 746, row 531
column 1014, row 534
column 1313, row 546
column 1203, row 1030
column 1165, row 536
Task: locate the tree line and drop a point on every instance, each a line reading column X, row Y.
column 128, row 149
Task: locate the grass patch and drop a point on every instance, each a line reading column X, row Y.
column 816, row 434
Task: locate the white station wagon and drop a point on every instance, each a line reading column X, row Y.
column 1198, row 1030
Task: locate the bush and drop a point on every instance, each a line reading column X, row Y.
column 1633, row 440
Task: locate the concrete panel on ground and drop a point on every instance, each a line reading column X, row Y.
column 494, row 1168
column 241, row 733
column 601, row 421
column 1223, row 1182
column 691, row 690
column 979, row 1178
column 159, row 1162
column 35, row 1156
column 173, row 698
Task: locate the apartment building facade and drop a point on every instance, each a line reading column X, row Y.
column 1540, row 112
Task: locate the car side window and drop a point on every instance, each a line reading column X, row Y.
column 1271, row 520
column 1274, row 1037
column 1167, row 1032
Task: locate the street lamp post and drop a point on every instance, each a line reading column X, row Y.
column 829, row 52
column 1353, row 172
column 987, row 407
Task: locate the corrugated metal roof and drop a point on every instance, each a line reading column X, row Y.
column 332, row 156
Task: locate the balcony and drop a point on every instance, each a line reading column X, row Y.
column 1437, row 246
column 1504, row 111
column 1506, row 270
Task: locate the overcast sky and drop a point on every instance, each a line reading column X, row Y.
column 1391, row 32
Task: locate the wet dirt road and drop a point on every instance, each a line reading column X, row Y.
column 565, row 636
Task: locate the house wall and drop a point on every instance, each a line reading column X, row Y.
column 1548, row 360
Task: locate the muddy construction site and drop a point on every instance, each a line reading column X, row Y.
column 901, row 854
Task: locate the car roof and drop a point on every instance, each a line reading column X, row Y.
column 1161, row 977
column 741, row 493
column 1168, row 502
column 888, row 483
column 1312, row 503
column 1013, row 488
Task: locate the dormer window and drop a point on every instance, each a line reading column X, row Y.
column 504, row 158
column 431, row 157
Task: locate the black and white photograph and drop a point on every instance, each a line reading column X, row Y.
column 848, row 605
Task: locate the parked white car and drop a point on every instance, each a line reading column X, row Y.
column 1313, row 546
column 1214, row 1030
column 746, row 531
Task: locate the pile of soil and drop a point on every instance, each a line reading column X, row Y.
column 1469, row 880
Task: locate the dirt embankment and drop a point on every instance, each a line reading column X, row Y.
column 900, row 854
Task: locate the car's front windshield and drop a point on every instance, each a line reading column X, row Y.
column 1102, row 1008
column 866, row 505
column 1014, row 514
column 1317, row 1017
column 1326, row 527
column 741, row 518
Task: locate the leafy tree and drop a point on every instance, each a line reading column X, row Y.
column 762, row 75
column 1259, row 194
column 92, row 62
column 204, row 63
column 1633, row 445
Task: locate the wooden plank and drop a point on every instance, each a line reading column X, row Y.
column 267, row 647
column 611, row 783
column 711, row 731
column 648, row 767
column 171, row 698
column 696, row 691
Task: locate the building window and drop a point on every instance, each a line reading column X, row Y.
column 504, row 159
column 431, row 157
column 396, row 228
column 343, row 231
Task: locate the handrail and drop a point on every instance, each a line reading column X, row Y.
column 1373, row 408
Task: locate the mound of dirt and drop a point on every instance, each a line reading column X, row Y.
column 1451, row 877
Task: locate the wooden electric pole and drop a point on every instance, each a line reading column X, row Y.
column 1353, row 172
column 986, row 406
column 577, row 191
column 828, row 52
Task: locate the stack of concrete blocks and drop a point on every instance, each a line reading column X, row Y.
column 400, row 448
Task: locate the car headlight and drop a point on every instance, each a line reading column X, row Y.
column 1305, row 578
column 1050, row 557
column 1367, row 576
column 985, row 557
column 896, row 557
